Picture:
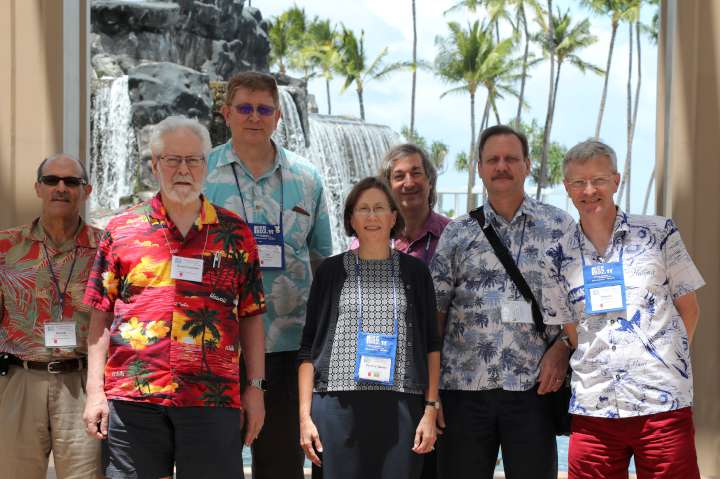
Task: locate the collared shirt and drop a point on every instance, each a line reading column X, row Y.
column 480, row 352
column 634, row 362
column 175, row 342
column 29, row 296
column 306, row 230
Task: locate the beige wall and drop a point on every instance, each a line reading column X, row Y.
column 689, row 167
column 31, row 99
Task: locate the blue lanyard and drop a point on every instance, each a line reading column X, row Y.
column 242, row 200
column 359, row 294
column 581, row 241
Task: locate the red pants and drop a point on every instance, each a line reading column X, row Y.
column 663, row 446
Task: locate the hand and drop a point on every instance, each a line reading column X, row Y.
column 310, row 440
column 96, row 415
column 254, row 413
column 440, row 421
column 425, row 434
column 553, row 368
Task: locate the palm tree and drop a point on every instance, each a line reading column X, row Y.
column 325, row 50
column 198, row 323
column 214, row 395
column 438, row 152
column 285, row 34
column 616, row 10
column 414, row 69
column 354, row 67
column 561, row 40
column 472, row 59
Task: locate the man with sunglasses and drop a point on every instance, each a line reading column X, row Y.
column 176, row 292
column 280, row 195
column 44, row 266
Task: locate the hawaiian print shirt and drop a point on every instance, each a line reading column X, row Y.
column 480, row 352
column 175, row 342
column 29, row 295
column 634, row 362
column 305, row 227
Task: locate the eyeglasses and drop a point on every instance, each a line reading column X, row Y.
column 597, row 182
column 70, row 181
column 190, row 161
column 376, row 210
column 248, row 109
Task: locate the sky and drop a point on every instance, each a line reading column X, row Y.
column 389, row 24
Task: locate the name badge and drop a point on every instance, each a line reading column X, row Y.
column 375, row 360
column 60, row 334
column 271, row 246
column 516, row 312
column 188, row 269
column 604, row 288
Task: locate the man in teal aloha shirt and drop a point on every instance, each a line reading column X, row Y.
column 280, row 195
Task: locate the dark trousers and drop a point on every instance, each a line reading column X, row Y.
column 480, row 422
column 276, row 453
column 367, row 434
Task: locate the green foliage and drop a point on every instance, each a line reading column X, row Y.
column 437, row 151
column 286, row 34
column 567, row 40
column 461, row 161
column 556, row 153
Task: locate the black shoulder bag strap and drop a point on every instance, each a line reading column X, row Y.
column 511, row 268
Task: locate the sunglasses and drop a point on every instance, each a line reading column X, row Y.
column 70, row 181
column 248, row 109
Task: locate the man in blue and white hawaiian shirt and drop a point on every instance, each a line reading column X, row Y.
column 624, row 285
column 280, row 195
column 495, row 366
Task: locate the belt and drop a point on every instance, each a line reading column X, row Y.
column 53, row 367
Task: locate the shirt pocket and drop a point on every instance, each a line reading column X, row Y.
column 297, row 222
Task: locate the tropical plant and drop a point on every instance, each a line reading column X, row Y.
column 139, row 371
column 617, row 10
column 556, row 153
column 199, row 322
column 215, row 395
column 286, row 33
column 324, row 49
column 472, row 59
column 353, row 65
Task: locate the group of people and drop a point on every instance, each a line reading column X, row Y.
column 214, row 316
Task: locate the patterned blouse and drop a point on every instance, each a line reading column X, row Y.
column 634, row 362
column 481, row 352
column 175, row 342
column 377, row 305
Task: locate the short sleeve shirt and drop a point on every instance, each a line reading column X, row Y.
column 175, row 342
column 29, row 296
column 634, row 362
column 295, row 184
column 480, row 352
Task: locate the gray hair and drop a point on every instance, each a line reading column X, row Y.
column 179, row 122
column 403, row 150
column 588, row 150
column 83, row 170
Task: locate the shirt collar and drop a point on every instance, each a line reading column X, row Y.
column 528, row 207
column 83, row 237
column 621, row 223
column 229, row 157
column 208, row 213
column 435, row 224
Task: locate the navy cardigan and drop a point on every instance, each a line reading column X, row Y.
column 322, row 315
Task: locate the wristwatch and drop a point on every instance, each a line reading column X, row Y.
column 435, row 403
column 259, row 383
column 566, row 341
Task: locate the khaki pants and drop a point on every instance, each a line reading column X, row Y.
column 39, row 412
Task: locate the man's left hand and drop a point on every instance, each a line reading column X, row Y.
column 553, row 368
column 254, row 410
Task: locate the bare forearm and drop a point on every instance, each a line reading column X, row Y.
column 306, row 372
column 98, row 345
column 571, row 331
column 252, row 341
column 441, row 318
column 689, row 308
column 431, row 394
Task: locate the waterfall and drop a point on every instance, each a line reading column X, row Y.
column 112, row 168
column 289, row 132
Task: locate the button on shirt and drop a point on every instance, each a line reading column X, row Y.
column 634, row 362
column 29, row 297
column 175, row 342
column 306, row 230
column 481, row 352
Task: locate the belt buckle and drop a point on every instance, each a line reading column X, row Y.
column 51, row 367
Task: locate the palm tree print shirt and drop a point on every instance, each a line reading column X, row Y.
column 634, row 362
column 480, row 352
column 29, row 297
column 175, row 342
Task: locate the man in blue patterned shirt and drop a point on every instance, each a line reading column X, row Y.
column 495, row 366
column 280, row 195
column 624, row 285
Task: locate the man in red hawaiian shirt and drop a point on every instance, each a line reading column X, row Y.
column 44, row 266
column 176, row 289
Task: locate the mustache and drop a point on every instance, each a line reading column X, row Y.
column 503, row 176
column 60, row 197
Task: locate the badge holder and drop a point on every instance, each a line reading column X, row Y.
column 604, row 286
column 271, row 245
